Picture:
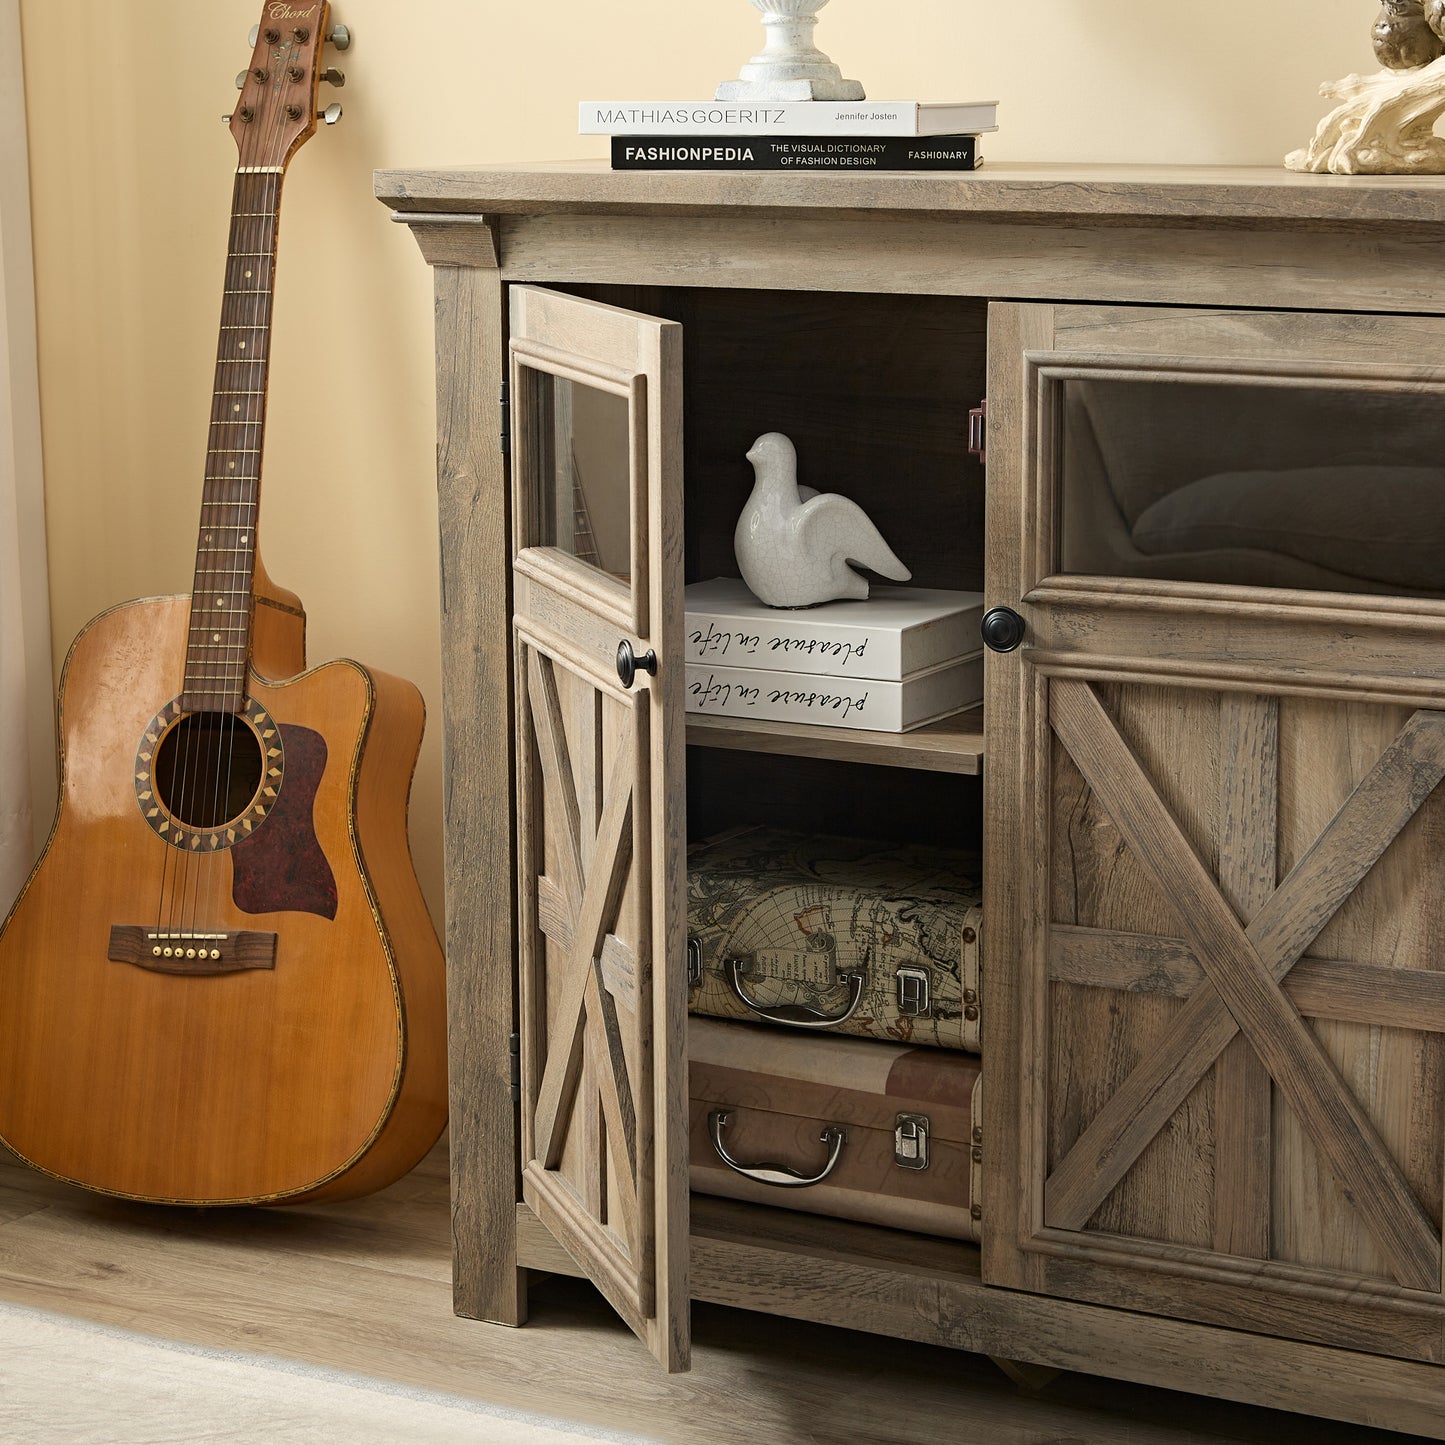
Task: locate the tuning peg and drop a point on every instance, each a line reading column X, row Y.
column 340, row 37
column 241, row 79
column 331, row 114
column 332, row 76
column 254, row 36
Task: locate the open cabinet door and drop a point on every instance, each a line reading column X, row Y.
column 597, row 485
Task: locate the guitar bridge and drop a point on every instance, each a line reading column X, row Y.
column 164, row 950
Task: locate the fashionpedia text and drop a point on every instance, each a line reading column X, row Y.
column 689, row 153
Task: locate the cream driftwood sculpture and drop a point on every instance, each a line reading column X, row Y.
column 1384, row 124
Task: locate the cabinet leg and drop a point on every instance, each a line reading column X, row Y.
column 509, row 1305
column 487, row 1282
column 477, row 724
column 490, row 1289
column 1028, row 1377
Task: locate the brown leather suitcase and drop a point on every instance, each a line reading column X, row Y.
column 836, row 935
column 847, row 1127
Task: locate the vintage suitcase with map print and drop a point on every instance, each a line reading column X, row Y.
column 836, row 935
column 845, row 1127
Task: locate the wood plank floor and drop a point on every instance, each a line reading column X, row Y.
column 365, row 1287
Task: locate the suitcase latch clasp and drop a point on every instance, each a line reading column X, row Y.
column 914, row 995
column 910, row 1141
column 694, row 962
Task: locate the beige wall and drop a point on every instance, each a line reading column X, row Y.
column 131, row 174
column 27, row 745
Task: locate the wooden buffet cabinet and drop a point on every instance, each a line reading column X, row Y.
column 1205, row 785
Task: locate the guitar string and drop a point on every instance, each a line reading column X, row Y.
column 268, row 204
column 250, row 198
column 227, row 721
column 189, row 722
column 214, row 577
column 203, row 748
column 173, row 876
column 262, row 305
column 209, row 739
column 239, row 206
column 260, row 195
column 203, row 583
column 175, row 872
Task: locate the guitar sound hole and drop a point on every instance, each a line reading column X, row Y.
column 208, row 768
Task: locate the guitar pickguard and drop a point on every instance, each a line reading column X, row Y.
column 280, row 868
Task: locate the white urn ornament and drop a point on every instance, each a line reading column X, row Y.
column 790, row 66
column 793, row 544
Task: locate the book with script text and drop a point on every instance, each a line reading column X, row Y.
column 894, row 633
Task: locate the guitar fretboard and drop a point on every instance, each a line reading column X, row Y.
column 219, row 643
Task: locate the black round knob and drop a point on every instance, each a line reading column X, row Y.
column 629, row 664
column 1002, row 629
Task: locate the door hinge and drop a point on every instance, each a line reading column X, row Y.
column 514, row 1047
column 506, row 400
column 978, row 432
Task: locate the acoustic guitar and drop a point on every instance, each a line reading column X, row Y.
column 221, row 984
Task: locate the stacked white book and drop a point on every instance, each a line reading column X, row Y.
column 904, row 657
column 791, row 135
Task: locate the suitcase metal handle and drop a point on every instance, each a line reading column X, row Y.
column 795, row 1015
column 778, row 1175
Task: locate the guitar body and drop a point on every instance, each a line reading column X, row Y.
column 306, row 1060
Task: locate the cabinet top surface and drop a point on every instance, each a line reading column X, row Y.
column 1261, row 194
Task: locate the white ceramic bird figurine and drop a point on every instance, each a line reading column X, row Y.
column 794, row 544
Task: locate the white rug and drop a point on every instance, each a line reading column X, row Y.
column 72, row 1381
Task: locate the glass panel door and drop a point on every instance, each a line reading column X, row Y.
column 1312, row 482
column 1213, row 822
column 597, row 620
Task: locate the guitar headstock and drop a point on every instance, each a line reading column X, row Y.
column 276, row 111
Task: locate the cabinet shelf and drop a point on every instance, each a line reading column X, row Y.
column 951, row 745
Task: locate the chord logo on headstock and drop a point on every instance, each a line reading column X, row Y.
column 280, row 10
column 277, row 111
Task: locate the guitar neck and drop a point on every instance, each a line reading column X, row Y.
column 218, row 648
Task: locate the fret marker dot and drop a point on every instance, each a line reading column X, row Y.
column 248, row 275
column 220, row 602
column 245, row 539
column 243, row 346
column 215, row 637
column 237, row 407
column 233, row 466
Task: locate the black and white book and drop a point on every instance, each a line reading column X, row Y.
column 795, row 153
column 786, row 117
